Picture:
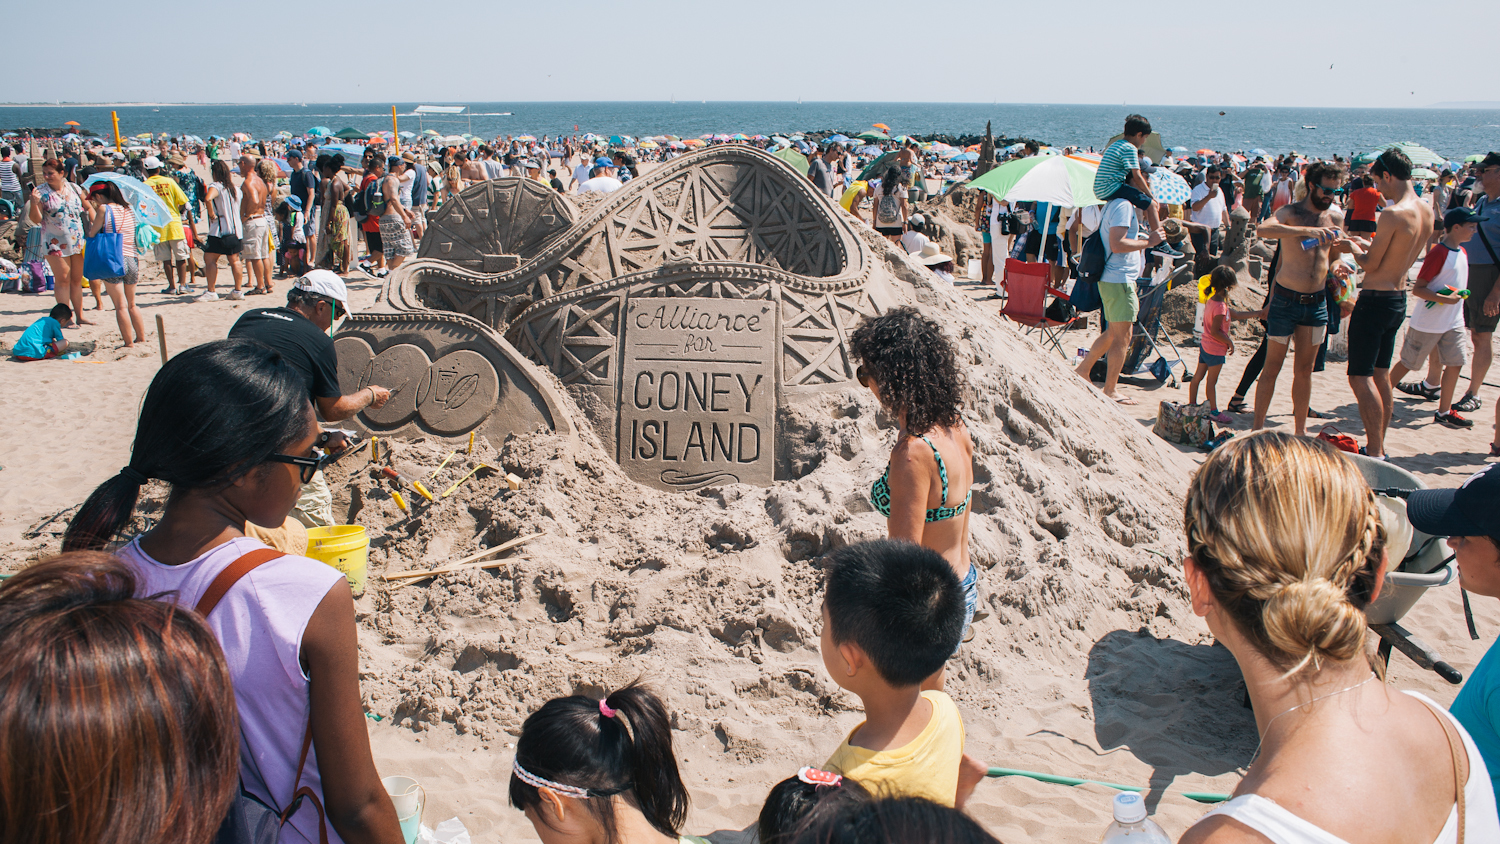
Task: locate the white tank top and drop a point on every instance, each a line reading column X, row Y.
column 1481, row 825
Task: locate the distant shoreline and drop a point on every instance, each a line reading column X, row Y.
column 1477, row 105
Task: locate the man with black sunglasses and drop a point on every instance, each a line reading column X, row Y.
column 1297, row 312
column 300, row 332
column 1401, row 232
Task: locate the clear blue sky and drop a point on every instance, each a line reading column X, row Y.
column 1383, row 53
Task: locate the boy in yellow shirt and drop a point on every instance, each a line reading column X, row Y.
column 893, row 613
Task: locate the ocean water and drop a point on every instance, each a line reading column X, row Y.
column 1450, row 132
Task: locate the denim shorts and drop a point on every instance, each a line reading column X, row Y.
column 970, row 583
column 1286, row 314
column 1209, row 360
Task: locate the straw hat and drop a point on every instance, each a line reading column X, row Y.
column 931, row 256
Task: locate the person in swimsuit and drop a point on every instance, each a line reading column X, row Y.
column 1285, row 550
column 911, row 366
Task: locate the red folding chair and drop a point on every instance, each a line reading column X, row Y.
column 1028, row 287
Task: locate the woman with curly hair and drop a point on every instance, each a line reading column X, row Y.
column 1285, row 551
column 910, row 365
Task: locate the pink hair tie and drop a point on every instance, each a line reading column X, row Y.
column 606, row 711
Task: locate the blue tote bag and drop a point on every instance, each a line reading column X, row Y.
column 104, row 253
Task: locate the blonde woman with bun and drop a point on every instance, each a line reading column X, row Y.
column 1285, row 549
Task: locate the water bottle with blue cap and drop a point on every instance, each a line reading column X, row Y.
column 1131, row 826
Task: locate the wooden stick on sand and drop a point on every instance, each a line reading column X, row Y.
column 161, row 338
column 465, row 562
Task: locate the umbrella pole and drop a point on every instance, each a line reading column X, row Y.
column 115, row 117
column 395, row 133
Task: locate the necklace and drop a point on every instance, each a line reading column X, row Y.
column 1267, row 732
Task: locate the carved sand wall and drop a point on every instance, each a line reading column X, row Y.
column 681, row 313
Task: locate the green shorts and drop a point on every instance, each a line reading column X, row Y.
column 1121, row 304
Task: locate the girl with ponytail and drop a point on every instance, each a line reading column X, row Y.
column 229, row 426
column 1285, row 550
column 591, row 771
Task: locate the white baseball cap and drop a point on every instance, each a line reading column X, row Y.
column 324, row 283
column 151, row 163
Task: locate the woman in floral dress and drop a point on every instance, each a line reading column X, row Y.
column 57, row 206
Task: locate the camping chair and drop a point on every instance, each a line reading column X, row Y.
column 1026, row 304
column 1148, row 335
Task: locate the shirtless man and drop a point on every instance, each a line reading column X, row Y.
column 333, row 222
column 1298, row 312
column 257, row 254
column 1401, row 232
column 472, row 170
column 395, row 219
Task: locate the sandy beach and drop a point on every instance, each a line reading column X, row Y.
column 1089, row 664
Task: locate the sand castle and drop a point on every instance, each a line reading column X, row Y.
column 682, row 314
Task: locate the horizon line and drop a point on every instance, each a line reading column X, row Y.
column 1472, row 105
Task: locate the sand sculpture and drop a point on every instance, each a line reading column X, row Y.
column 682, row 314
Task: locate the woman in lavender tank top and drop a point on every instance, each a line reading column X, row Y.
column 229, row 425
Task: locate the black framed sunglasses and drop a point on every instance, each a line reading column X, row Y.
column 1331, row 191
column 308, row 465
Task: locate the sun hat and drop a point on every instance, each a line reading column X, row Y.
column 1471, row 510
column 324, row 283
column 931, row 255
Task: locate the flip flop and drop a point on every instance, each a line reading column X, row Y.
column 1236, row 406
column 1125, row 400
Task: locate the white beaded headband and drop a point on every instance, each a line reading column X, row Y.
column 533, row 780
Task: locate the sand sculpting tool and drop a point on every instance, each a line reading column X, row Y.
column 1200, row 796
column 471, row 443
column 442, row 465
column 465, row 563
column 401, row 477
column 400, row 501
column 449, row 491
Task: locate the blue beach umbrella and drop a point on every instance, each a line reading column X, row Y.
column 1169, row 188
column 320, row 131
column 868, row 150
column 966, row 156
column 142, row 198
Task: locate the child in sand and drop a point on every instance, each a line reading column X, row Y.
column 1216, row 343
column 891, row 820
column 793, row 799
column 43, row 339
column 600, row 771
column 892, row 615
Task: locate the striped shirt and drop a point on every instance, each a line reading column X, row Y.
column 124, row 223
column 8, row 180
column 1115, row 167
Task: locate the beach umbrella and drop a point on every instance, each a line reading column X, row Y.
column 527, row 138
column 1469, row 159
column 649, row 145
column 676, row 145
column 804, row 146
column 432, row 132
column 881, row 126
column 1152, row 147
column 1058, row 180
column 1180, row 150
column 1205, row 151
column 1366, row 157
column 868, row 151
column 796, row 160
column 349, row 133
column 282, row 164
column 694, row 142
column 142, row 198
column 840, row 139
column 71, row 136
column 1420, row 156
column 407, row 134
column 1257, row 151
column 1423, row 173
column 71, row 123
column 873, row 136
column 966, row 156
column 320, row 131
column 757, row 137
column 1168, row 187
column 875, row 169
column 738, row 137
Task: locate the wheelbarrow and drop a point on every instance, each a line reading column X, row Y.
column 1424, row 563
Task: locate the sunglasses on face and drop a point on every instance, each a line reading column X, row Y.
column 308, row 465
column 1331, row 191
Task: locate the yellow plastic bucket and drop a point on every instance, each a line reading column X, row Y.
column 346, row 548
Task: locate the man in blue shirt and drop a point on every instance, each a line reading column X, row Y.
column 1120, row 230
column 1470, row 517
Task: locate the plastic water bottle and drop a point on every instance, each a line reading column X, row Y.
column 1131, row 825
column 1314, row 242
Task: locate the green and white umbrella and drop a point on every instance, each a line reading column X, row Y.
column 1420, row 156
column 1056, row 179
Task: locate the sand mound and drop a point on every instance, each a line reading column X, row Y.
column 714, row 596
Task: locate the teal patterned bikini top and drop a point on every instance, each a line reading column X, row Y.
column 880, row 492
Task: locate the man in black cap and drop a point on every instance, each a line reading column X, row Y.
column 1470, row 517
column 303, row 184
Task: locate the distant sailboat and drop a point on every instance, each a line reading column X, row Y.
column 1309, row 127
column 674, row 99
